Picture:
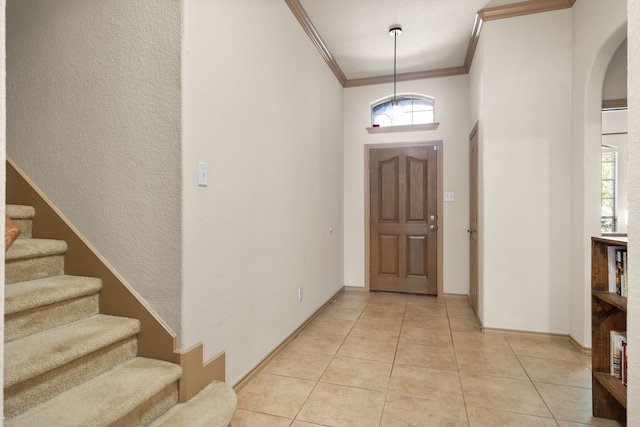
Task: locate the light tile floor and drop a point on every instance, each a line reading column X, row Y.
column 392, row 360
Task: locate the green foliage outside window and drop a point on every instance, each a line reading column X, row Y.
column 608, row 216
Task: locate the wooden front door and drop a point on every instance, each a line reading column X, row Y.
column 473, row 219
column 404, row 221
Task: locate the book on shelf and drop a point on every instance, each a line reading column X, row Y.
column 617, row 269
column 618, row 354
column 623, row 363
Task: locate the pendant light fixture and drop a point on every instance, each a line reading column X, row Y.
column 395, row 110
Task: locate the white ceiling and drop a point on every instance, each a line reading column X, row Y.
column 435, row 33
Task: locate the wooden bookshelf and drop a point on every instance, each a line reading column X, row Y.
column 613, row 299
column 608, row 312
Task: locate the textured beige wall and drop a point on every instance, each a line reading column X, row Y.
column 262, row 108
column 526, row 137
column 93, row 117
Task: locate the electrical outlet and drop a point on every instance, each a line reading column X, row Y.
column 299, row 294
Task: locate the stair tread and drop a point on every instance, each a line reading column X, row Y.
column 49, row 290
column 20, row 211
column 33, row 248
column 28, row 357
column 215, row 405
column 106, row 398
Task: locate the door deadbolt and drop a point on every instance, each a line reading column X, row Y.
column 432, row 217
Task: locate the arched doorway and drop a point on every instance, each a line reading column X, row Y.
column 592, row 53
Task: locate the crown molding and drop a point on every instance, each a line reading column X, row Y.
column 403, row 77
column 473, row 42
column 487, row 14
column 310, row 29
column 523, row 8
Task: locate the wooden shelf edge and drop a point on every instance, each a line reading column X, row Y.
column 403, row 128
column 611, row 240
column 615, row 300
column 613, row 386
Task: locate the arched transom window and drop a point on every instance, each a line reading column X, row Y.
column 411, row 110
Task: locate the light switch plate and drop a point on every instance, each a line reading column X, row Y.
column 203, row 174
column 449, row 196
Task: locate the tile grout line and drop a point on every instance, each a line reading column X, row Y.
column 333, row 356
column 393, row 366
column 532, row 383
column 455, row 356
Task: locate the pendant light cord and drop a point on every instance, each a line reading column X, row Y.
column 395, row 41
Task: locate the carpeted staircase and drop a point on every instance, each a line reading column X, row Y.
column 67, row 365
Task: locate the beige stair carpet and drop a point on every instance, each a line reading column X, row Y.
column 215, row 405
column 57, row 347
column 111, row 398
column 67, row 365
column 45, row 303
column 29, row 259
column 23, row 217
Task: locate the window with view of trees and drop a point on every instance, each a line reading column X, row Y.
column 608, row 216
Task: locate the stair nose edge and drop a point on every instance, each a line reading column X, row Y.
column 20, row 211
column 35, row 248
column 29, row 366
column 214, row 406
column 35, row 293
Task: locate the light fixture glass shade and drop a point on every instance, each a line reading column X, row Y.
column 394, row 110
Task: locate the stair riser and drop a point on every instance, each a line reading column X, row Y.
column 26, row 228
column 21, row 270
column 28, row 322
column 22, row 216
column 152, row 409
column 23, row 396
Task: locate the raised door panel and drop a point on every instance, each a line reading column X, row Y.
column 389, row 194
column 416, row 256
column 417, row 194
column 389, row 255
